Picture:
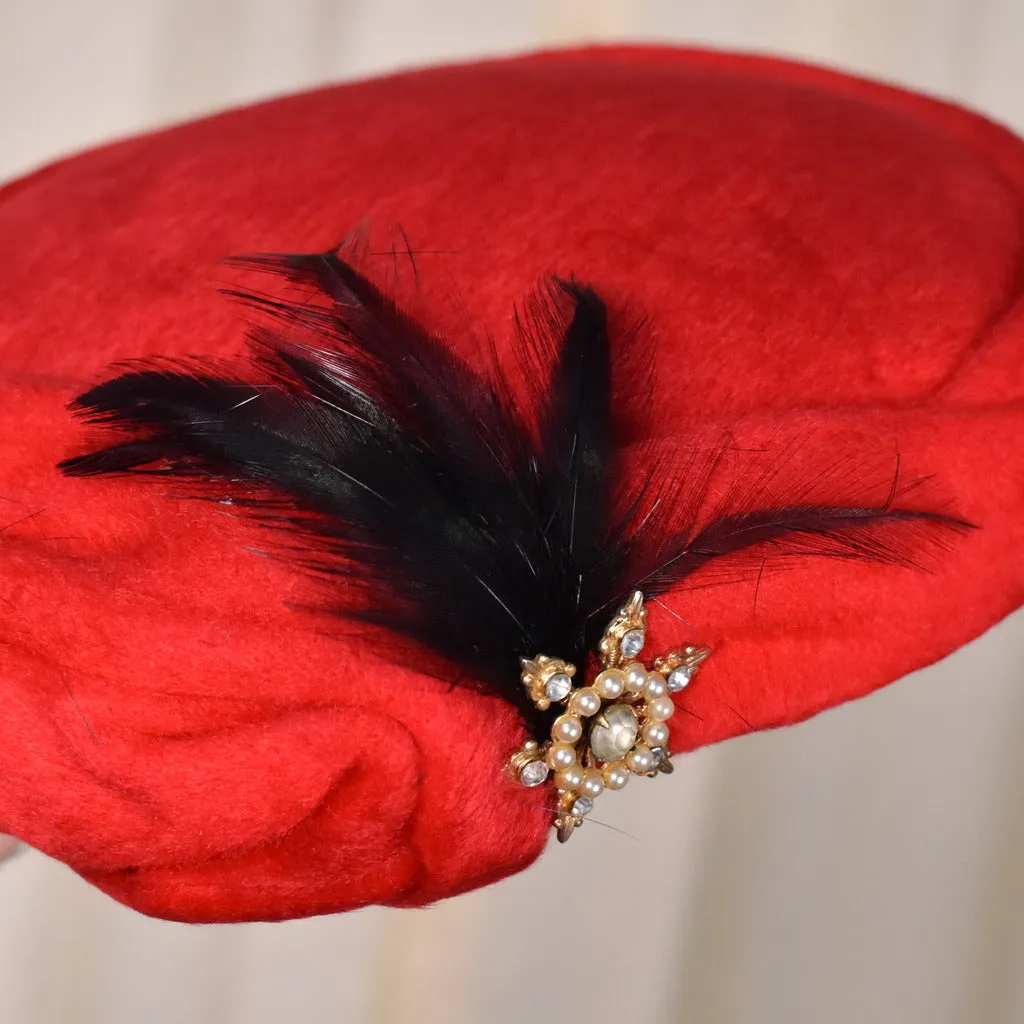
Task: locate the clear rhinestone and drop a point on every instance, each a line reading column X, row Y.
column 632, row 642
column 658, row 753
column 558, row 687
column 614, row 733
column 534, row 773
column 582, row 806
column 679, row 678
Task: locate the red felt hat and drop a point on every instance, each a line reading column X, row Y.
column 828, row 270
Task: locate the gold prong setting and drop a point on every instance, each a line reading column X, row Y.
column 679, row 667
column 611, row 729
column 547, row 680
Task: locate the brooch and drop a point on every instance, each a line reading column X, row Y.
column 610, row 729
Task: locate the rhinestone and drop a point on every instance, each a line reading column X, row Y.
column 679, row 678
column 558, row 687
column 534, row 773
column 582, row 806
column 632, row 642
column 658, row 753
column 614, row 732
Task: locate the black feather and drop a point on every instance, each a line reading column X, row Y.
column 455, row 515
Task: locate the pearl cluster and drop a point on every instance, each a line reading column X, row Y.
column 646, row 692
column 626, row 735
column 610, row 729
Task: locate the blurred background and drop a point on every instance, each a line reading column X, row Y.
column 864, row 867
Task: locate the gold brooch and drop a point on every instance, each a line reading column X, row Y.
column 612, row 728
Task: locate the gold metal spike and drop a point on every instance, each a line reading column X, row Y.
column 629, row 622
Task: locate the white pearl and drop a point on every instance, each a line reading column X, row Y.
column 640, row 760
column 661, row 709
column 610, row 684
column 567, row 729
column 570, row 778
column 656, row 734
column 655, row 686
column 636, row 676
column 560, row 755
column 585, row 701
column 593, row 784
column 615, row 776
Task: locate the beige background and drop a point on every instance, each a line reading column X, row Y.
column 864, row 868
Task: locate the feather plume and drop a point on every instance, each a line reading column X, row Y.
column 453, row 519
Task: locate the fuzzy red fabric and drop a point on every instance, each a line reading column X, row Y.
column 828, row 266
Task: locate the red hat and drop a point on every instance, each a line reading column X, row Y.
column 810, row 283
